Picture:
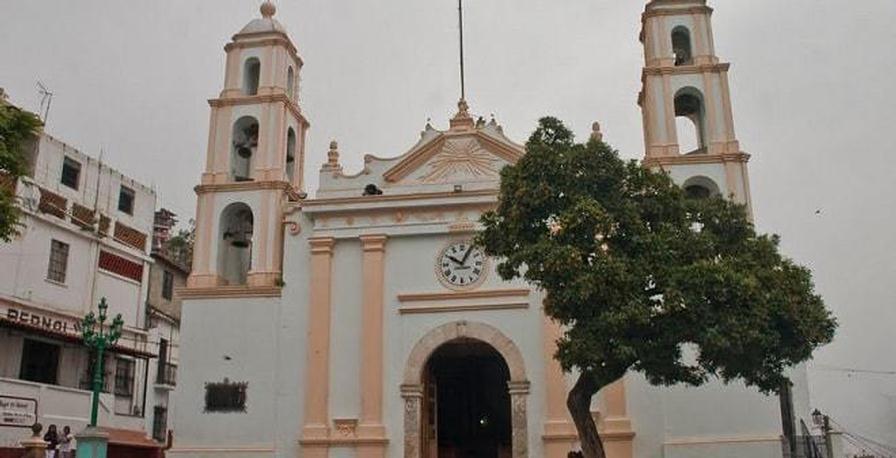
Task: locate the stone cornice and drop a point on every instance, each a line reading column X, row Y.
column 686, row 69
column 261, row 98
column 215, row 292
column 442, row 296
column 695, row 159
column 312, row 203
column 259, row 39
column 243, row 186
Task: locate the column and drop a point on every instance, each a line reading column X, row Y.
column 615, row 425
column 316, row 429
column 519, row 393
column 371, row 430
column 559, row 431
column 413, row 399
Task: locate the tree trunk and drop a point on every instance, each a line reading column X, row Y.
column 579, row 404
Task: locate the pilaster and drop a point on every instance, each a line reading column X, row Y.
column 371, row 351
column 317, row 384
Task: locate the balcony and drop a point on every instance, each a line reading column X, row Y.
column 167, row 374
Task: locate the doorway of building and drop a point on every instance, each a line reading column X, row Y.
column 466, row 407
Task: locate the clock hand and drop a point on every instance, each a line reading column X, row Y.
column 454, row 259
column 466, row 255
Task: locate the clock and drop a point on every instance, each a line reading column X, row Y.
column 461, row 265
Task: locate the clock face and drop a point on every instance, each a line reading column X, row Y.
column 461, row 265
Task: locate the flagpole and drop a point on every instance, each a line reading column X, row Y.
column 460, row 20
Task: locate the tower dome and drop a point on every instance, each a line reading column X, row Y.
column 266, row 23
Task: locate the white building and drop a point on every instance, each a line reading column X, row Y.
column 85, row 237
column 362, row 323
column 167, row 273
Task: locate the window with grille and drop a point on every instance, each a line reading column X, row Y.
column 71, row 173
column 160, row 423
column 225, row 396
column 124, row 377
column 167, row 285
column 58, row 261
column 126, row 200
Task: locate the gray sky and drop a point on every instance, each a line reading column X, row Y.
column 811, row 82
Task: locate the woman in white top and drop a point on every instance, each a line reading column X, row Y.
column 65, row 443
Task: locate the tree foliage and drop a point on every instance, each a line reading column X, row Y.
column 180, row 246
column 639, row 275
column 17, row 127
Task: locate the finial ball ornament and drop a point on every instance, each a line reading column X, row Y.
column 268, row 9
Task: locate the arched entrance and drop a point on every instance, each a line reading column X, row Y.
column 466, row 406
column 473, row 377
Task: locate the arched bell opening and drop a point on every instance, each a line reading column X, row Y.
column 681, row 46
column 700, row 187
column 235, row 244
column 243, row 147
column 290, row 83
column 291, row 155
column 251, row 76
column 690, row 119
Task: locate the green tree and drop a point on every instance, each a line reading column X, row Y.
column 180, row 246
column 639, row 275
column 17, row 127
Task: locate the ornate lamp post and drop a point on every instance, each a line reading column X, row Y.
column 97, row 337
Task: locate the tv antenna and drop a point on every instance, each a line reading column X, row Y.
column 46, row 99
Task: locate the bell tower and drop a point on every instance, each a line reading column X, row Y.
column 254, row 161
column 686, row 104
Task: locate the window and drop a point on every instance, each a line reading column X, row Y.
column 251, row 75
column 87, row 378
column 71, row 173
column 126, row 200
column 225, row 396
column 167, row 285
column 124, row 377
column 290, row 77
column 40, row 361
column 160, row 423
column 58, row 261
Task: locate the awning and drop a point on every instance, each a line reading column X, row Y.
column 130, row 438
column 70, row 338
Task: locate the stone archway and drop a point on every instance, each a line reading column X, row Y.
column 412, row 386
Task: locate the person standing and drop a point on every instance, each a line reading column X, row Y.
column 65, row 443
column 52, row 440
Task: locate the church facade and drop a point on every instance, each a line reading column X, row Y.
column 361, row 322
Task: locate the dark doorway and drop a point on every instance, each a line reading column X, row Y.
column 467, row 408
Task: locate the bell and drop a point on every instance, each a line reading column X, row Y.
column 244, row 152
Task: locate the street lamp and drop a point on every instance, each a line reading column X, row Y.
column 98, row 339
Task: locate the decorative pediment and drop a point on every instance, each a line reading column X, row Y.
column 452, row 157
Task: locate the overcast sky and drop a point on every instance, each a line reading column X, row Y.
column 812, row 84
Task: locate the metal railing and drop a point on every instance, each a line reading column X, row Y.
column 167, row 374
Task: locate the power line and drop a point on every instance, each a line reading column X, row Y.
column 828, row 368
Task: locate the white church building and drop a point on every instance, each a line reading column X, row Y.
column 360, row 322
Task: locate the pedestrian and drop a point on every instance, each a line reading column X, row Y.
column 52, row 440
column 65, row 443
